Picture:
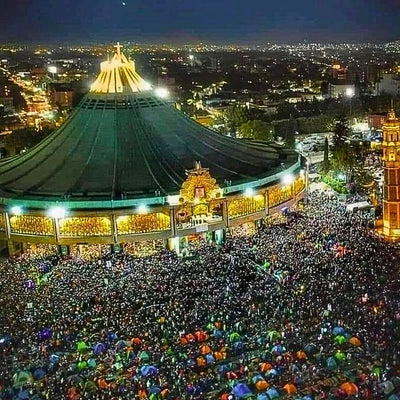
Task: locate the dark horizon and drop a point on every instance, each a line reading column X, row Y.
column 178, row 22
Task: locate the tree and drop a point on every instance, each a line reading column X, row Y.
column 257, row 129
column 235, row 116
column 341, row 134
column 344, row 156
column 326, row 163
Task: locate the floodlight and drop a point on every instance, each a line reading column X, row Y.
column 162, row 92
column 16, row 210
column 57, row 212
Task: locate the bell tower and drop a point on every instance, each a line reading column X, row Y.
column 391, row 185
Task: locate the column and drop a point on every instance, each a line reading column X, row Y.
column 225, row 213
column 114, row 228
column 172, row 219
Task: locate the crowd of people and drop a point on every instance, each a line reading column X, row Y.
column 305, row 308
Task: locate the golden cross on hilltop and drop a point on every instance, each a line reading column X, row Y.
column 118, row 47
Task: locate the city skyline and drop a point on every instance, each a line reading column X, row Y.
column 175, row 21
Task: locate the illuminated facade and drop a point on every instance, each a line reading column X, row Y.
column 391, row 187
column 128, row 168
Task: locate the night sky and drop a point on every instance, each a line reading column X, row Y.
column 211, row 21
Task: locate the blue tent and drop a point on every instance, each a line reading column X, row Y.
column 272, row 393
column 311, row 348
column 191, row 363
column 5, row 340
column 111, row 336
column 338, row 330
column 277, row 349
column 331, row 363
column 154, row 390
column 257, row 378
column 271, row 373
column 99, row 348
column 262, row 396
column 223, row 369
column 241, row 391
column 148, row 370
column 39, row 374
column 210, row 359
column 393, row 397
column 266, row 356
column 23, row 395
column 54, row 358
column 217, row 333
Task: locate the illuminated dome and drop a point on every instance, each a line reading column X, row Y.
column 127, row 166
column 125, row 141
column 118, row 75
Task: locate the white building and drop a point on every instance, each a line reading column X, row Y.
column 389, row 84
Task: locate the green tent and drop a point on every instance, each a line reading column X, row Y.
column 144, row 356
column 377, row 370
column 273, row 335
column 82, row 365
column 21, row 378
column 234, row 337
column 340, row 356
column 340, row 339
column 81, row 347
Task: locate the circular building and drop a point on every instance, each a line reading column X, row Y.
column 126, row 166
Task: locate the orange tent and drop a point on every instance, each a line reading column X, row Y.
column 218, row 356
column 290, row 388
column 266, row 367
column 225, row 396
column 218, row 324
column 205, row 349
column 201, row 362
column 102, row 384
column 184, row 341
column 73, row 394
column 231, row 375
column 189, row 337
column 350, row 388
column 142, row 394
column 301, row 355
column 262, row 385
column 200, row 336
column 164, row 393
column 136, row 340
column 355, row 341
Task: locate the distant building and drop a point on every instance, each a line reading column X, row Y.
column 375, row 121
column 62, row 95
column 389, row 83
column 6, row 105
column 336, row 90
column 339, row 72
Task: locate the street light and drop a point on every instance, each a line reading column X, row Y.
column 350, row 94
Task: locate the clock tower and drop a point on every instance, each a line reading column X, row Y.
column 391, row 185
